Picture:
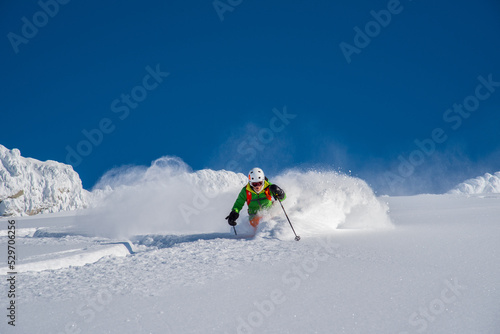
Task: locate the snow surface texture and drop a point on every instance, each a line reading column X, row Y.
column 435, row 272
column 487, row 183
column 29, row 186
column 169, row 198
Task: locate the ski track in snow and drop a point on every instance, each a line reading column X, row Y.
column 162, row 262
column 189, row 263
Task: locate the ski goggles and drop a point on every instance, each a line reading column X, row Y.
column 257, row 184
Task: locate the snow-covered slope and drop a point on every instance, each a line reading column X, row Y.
column 29, row 186
column 487, row 183
column 436, row 271
column 156, row 256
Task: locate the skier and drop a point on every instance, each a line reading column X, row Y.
column 258, row 194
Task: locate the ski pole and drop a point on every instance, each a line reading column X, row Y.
column 297, row 238
column 234, row 228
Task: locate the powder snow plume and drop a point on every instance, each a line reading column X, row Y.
column 169, row 198
column 165, row 198
column 322, row 201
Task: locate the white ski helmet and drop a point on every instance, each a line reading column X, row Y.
column 256, row 175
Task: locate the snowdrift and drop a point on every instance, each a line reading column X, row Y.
column 169, row 198
column 487, row 183
column 29, row 186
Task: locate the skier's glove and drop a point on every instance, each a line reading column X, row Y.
column 277, row 192
column 231, row 219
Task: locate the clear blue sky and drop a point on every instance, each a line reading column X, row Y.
column 81, row 65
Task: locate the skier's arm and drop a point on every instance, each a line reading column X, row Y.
column 240, row 201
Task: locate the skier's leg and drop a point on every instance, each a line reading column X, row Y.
column 254, row 221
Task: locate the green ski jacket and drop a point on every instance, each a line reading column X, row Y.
column 256, row 202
